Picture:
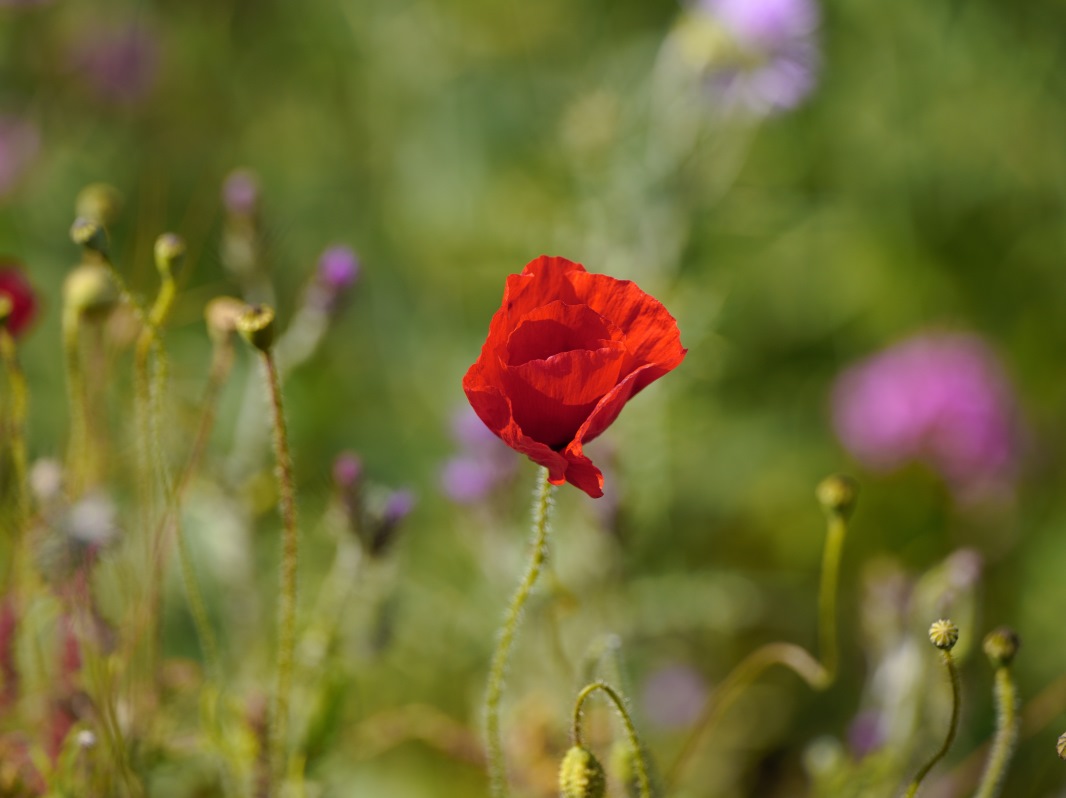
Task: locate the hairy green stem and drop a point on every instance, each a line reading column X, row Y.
column 953, row 727
column 16, row 431
column 827, row 597
column 287, row 600
column 79, row 466
column 498, row 671
column 627, row 721
column 1006, row 735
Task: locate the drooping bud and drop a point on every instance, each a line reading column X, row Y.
column 90, row 290
column 256, row 326
column 1001, row 645
column 1060, row 746
column 837, row 494
column 581, row 775
column 169, row 253
column 89, row 233
column 944, row 634
column 100, row 202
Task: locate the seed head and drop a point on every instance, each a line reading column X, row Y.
column 256, row 326
column 944, row 634
column 838, row 494
column 89, row 233
column 1001, row 645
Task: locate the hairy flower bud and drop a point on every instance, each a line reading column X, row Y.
column 1001, row 645
column 1060, row 746
column 169, row 253
column 89, row 233
column 99, row 202
column 838, row 494
column 581, row 775
column 90, row 290
column 944, row 634
column 256, row 326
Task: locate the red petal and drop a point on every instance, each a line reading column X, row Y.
column 557, row 327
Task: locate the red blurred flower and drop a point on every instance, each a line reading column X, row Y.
column 566, row 350
column 15, row 286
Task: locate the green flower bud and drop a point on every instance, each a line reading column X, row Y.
column 169, row 253
column 1001, row 645
column 100, row 202
column 838, row 494
column 90, row 290
column 90, row 234
column 581, row 775
column 944, row 634
column 256, row 326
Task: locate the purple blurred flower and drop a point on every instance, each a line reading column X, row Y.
column 771, row 61
column 19, row 143
column 673, row 696
column 941, row 399
column 120, row 63
column 865, row 734
column 338, row 271
column 240, row 192
column 484, row 461
column 347, row 470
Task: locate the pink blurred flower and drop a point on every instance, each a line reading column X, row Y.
column 16, row 290
column 483, row 463
column 19, row 143
column 774, row 60
column 120, row 64
column 941, row 399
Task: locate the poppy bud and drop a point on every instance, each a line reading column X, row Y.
column 256, row 326
column 1001, row 645
column 581, row 775
column 1060, row 746
column 100, row 202
column 90, row 290
column 169, row 253
column 837, row 495
column 18, row 300
column 944, row 634
column 90, row 234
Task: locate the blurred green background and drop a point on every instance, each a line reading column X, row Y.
column 920, row 186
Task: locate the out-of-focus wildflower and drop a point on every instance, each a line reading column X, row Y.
column 119, row 64
column 673, row 696
column 940, row 399
column 240, row 192
column 759, row 56
column 483, row 463
column 338, row 271
column 18, row 301
column 19, row 143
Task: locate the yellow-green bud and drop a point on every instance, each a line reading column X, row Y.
column 6, row 306
column 944, row 634
column 221, row 315
column 169, row 253
column 837, row 495
column 90, row 290
column 90, row 234
column 256, row 326
column 100, row 202
column 581, row 775
column 1060, row 746
column 623, row 764
column 1001, row 645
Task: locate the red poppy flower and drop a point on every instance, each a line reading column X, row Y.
column 17, row 289
column 566, row 350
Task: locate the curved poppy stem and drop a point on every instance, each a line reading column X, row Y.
column 953, row 726
column 1006, row 735
column 643, row 779
column 541, row 511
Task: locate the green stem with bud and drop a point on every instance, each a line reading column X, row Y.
column 953, row 726
column 631, row 730
column 1006, row 735
column 541, row 512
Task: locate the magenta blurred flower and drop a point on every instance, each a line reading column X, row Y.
column 19, row 143
column 941, row 399
column 483, row 463
column 673, row 696
column 338, row 271
column 18, row 295
column 771, row 59
column 120, row 64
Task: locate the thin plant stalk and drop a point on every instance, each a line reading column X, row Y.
column 79, row 467
column 631, row 731
column 289, row 558
column 953, row 726
column 16, row 429
column 497, row 673
column 1007, row 723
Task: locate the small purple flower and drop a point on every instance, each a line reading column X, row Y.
column 673, row 696
column 398, row 506
column 347, row 470
column 120, row 64
column 483, row 463
column 771, row 61
column 338, row 268
column 240, row 192
column 19, row 143
column 940, row 399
